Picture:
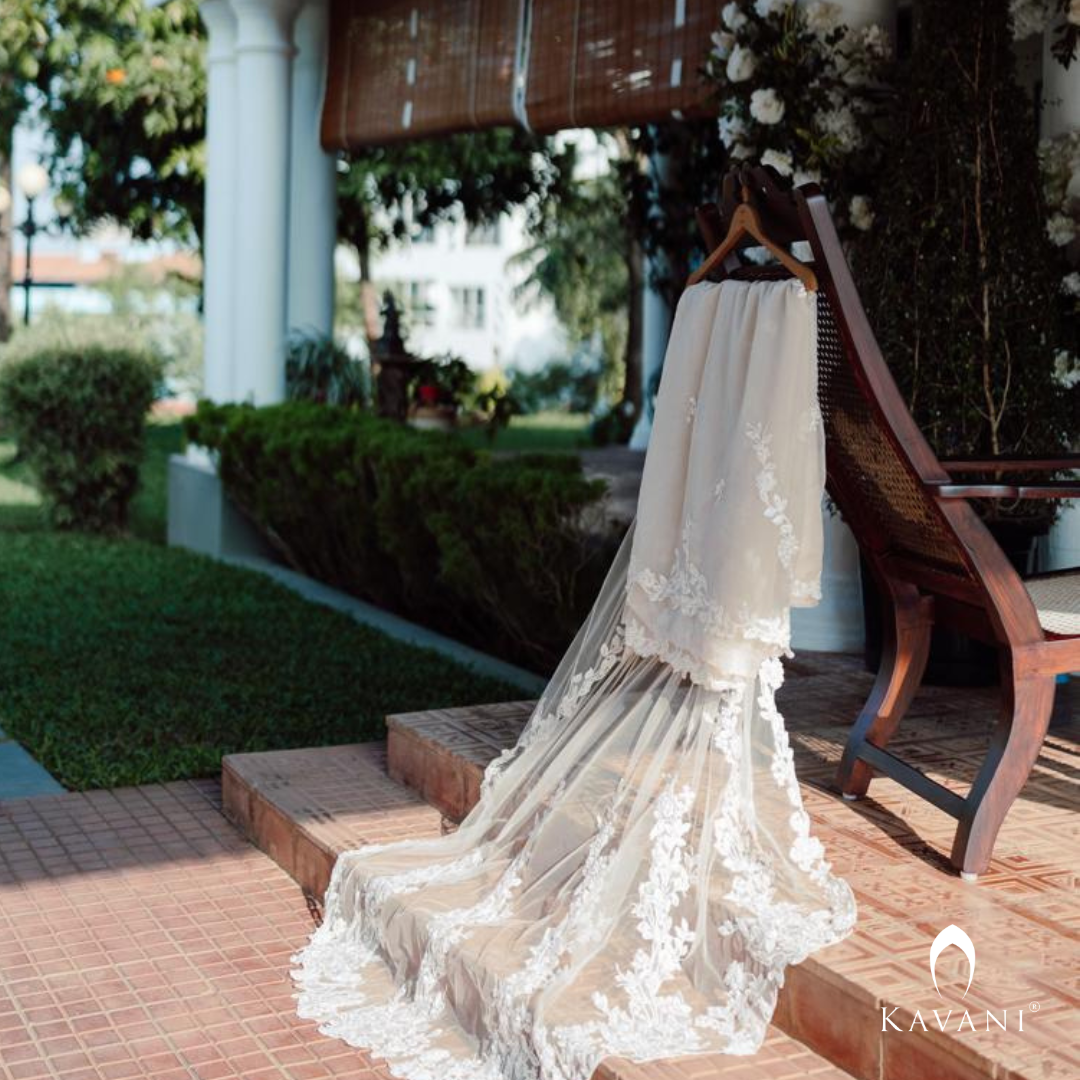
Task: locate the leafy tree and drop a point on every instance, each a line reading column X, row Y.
column 124, row 101
column 960, row 279
column 386, row 193
column 582, row 257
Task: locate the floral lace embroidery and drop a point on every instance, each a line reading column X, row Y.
column 650, row 1024
column 544, row 722
column 775, row 504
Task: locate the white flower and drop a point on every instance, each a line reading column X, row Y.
column 741, row 151
column 806, row 176
column 822, row 17
column 1061, row 229
column 841, row 125
column 732, row 129
column 780, row 161
column 862, row 217
column 732, row 16
column 1066, row 369
column 723, row 43
column 766, row 106
column 876, row 42
column 741, row 64
column 1028, row 17
column 1070, row 284
column 765, row 8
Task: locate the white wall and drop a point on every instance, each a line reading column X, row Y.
column 515, row 333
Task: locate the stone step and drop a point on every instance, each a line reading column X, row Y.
column 1023, row 915
column 304, row 806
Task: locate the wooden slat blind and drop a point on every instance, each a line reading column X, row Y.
column 403, row 69
column 598, row 63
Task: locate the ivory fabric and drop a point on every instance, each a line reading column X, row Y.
column 639, row 871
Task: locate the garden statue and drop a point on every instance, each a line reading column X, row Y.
column 391, row 365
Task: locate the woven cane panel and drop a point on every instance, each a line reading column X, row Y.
column 599, row 63
column 867, row 477
column 1057, row 600
column 402, row 69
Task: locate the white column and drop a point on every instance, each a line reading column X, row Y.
column 313, row 181
column 218, row 279
column 1061, row 92
column 1061, row 113
column 656, row 318
column 264, row 98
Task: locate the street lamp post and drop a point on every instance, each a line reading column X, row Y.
column 33, row 180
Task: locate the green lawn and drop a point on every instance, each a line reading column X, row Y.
column 124, row 661
column 548, row 432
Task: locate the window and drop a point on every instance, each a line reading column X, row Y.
column 413, row 300
column 418, row 303
column 487, row 233
column 467, row 304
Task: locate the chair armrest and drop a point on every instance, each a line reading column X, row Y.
column 1050, row 489
column 1018, row 464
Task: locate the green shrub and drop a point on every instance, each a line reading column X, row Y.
column 505, row 552
column 79, row 416
column 318, row 369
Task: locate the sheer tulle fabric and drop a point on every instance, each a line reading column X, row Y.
column 639, row 870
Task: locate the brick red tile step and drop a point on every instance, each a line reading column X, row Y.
column 304, row 806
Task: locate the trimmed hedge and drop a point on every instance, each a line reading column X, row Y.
column 79, row 417
column 505, row 552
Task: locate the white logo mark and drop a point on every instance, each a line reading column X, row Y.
column 952, row 935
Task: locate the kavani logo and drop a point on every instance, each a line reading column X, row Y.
column 953, row 936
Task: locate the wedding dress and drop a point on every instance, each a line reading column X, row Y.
column 639, row 870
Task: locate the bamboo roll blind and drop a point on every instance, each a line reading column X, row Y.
column 401, row 69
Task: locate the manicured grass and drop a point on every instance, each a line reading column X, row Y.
column 549, row 432
column 148, row 509
column 125, row 662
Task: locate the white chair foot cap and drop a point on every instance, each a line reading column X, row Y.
column 849, row 798
column 965, row 876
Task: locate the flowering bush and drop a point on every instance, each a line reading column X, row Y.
column 1036, row 16
column 799, row 90
column 1060, row 161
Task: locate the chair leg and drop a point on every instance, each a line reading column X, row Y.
column 1027, row 702
column 908, row 623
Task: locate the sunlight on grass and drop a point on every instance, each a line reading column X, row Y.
column 545, row 432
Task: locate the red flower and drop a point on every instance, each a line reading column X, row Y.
column 428, row 394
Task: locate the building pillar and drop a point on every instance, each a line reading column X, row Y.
column 261, row 210
column 313, row 182
column 656, row 319
column 1060, row 114
column 1060, row 90
column 220, row 195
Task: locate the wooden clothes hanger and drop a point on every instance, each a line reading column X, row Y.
column 746, row 222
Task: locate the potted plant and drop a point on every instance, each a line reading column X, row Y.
column 959, row 276
column 440, row 387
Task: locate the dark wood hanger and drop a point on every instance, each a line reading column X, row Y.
column 746, row 222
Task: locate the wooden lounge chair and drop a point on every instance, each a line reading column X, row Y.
column 933, row 558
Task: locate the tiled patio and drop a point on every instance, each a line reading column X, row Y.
column 1023, row 916
column 142, row 936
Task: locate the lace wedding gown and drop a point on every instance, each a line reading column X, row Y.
column 639, row 870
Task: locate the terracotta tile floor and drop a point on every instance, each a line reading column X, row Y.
column 142, row 936
column 1023, row 916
